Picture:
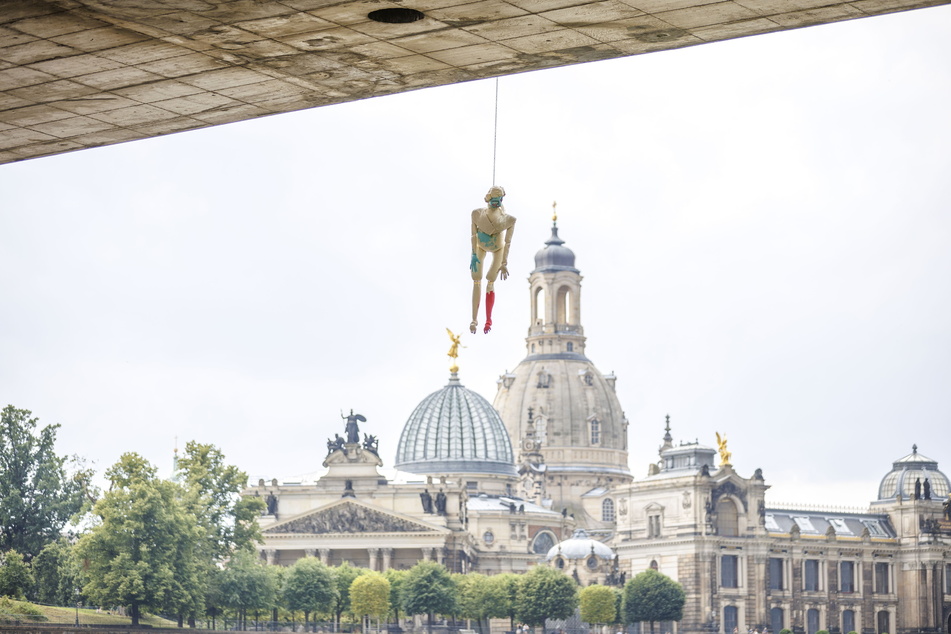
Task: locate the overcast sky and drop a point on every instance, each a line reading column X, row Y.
column 763, row 228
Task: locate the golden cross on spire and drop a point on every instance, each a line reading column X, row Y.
column 554, row 211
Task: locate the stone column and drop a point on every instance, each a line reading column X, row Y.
column 271, row 554
column 310, row 552
column 387, row 558
column 374, row 553
column 427, row 554
column 324, row 555
column 439, row 555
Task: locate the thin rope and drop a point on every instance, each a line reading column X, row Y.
column 495, row 132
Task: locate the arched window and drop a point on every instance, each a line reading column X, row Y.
column 812, row 621
column 607, row 510
column 571, row 347
column 538, row 318
column 563, row 314
column 882, row 621
column 776, row 620
column 730, row 619
column 595, row 431
column 848, row 621
column 544, row 379
column 544, row 541
column 654, row 565
column 727, row 518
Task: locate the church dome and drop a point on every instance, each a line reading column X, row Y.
column 455, row 431
column 909, row 469
column 554, row 256
column 580, row 546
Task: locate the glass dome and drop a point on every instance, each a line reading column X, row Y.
column 455, row 431
column 907, row 471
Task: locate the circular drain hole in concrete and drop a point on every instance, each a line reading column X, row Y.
column 396, row 15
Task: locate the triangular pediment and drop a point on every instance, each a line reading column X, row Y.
column 349, row 516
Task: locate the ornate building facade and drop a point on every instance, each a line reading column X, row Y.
column 543, row 478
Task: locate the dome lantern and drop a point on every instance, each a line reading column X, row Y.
column 908, row 470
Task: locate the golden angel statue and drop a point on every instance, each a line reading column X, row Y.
column 454, row 348
column 492, row 230
column 721, row 447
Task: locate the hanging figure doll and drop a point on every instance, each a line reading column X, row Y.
column 492, row 230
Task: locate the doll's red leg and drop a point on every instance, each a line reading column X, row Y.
column 489, row 303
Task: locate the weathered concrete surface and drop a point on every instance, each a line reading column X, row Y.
column 84, row 73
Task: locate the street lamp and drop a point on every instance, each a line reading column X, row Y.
column 76, row 593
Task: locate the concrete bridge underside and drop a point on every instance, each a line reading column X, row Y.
column 76, row 74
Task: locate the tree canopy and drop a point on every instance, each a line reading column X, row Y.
column 142, row 553
column 212, row 493
column 598, row 604
column 247, row 584
column 428, row 589
column 545, row 593
column 652, row 596
column 310, row 586
column 37, row 495
column 56, row 574
column 370, row 595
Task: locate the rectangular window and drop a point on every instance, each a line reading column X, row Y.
column 881, row 578
column 728, row 571
column 775, row 573
column 810, row 575
column 653, row 525
column 947, row 579
column 595, row 432
column 847, row 576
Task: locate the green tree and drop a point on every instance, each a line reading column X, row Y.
column 344, row 575
column 396, row 579
column 56, row 574
column 16, row 578
column 247, row 586
column 502, row 597
column 142, row 554
column 370, row 595
column 210, row 490
column 37, row 496
column 310, row 586
column 545, row 593
column 212, row 493
column 652, row 596
column 598, row 604
column 472, row 592
column 428, row 589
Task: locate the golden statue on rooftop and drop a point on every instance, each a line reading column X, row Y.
column 454, row 350
column 724, row 453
